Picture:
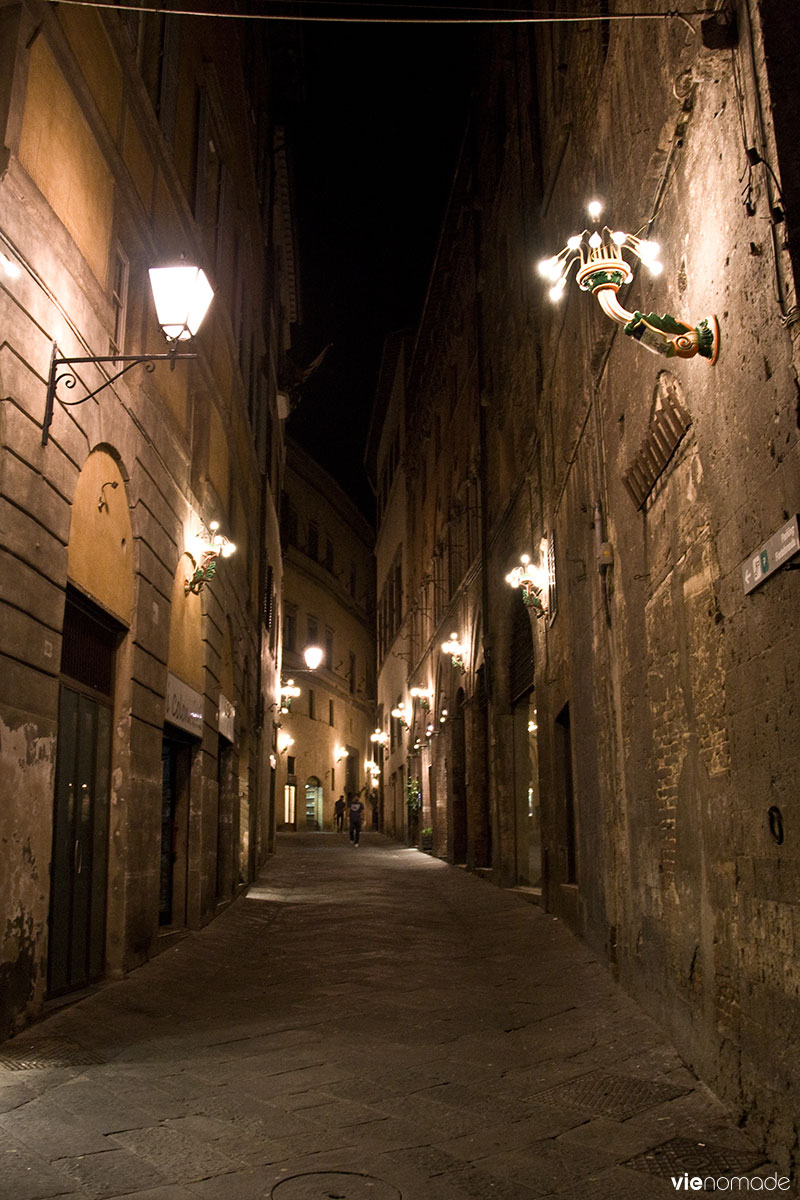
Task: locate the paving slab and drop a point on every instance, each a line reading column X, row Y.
column 372, row 1024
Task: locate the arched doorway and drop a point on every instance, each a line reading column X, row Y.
column 99, row 565
column 313, row 803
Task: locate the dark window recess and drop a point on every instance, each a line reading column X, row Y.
column 667, row 430
column 90, row 639
column 313, row 541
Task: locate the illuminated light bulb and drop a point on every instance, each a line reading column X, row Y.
column 619, row 238
column 654, row 267
column 648, row 250
column 557, row 291
column 574, row 243
column 550, row 268
column 594, row 208
column 10, row 269
column 595, row 241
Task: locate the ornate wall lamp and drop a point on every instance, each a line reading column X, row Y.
column 602, row 270
column 209, row 545
column 289, row 692
column 399, row 713
column 284, row 742
column 379, row 737
column 181, row 294
column 340, row 753
column 533, row 579
column 456, row 650
column 374, row 772
column 424, row 695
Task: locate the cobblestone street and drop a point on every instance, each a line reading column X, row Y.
column 364, row 1023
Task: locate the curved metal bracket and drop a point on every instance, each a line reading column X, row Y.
column 69, row 377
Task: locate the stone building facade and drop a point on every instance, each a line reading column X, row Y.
column 323, row 740
column 134, row 749
column 386, row 446
column 630, row 752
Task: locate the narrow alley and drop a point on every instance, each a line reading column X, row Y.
column 364, row 1023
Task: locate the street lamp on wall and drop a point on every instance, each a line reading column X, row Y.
column 181, row 294
column 400, row 714
column 456, row 650
column 533, row 579
column 602, row 270
column 289, row 692
column 313, row 656
column 210, row 544
column 424, row 695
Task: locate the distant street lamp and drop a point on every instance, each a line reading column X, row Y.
column 181, row 294
column 456, row 650
column 533, row 579
column 313, row 656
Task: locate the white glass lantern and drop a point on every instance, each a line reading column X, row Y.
column 182, row 295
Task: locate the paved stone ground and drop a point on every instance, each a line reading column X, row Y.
column 366, row 1023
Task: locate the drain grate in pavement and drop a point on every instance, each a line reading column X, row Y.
column 618, row 1096
column 334, row 1185
column 41, row 1053
column 681, row 1155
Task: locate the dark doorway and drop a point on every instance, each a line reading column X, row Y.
column 566, row 798
column 351, row 770
column 458, row 772
column 81, row 804
column 175, row 772
column 224, row 868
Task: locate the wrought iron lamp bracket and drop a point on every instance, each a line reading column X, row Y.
column 70, row 378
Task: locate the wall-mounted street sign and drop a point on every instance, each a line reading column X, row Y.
column 184, row 706
column 772, row 555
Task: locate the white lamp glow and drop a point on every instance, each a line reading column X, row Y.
column 181, row 296
column 313, row 656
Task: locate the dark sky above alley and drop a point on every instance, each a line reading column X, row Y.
column 374, row 154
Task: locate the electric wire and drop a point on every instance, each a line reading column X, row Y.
column 521, row 19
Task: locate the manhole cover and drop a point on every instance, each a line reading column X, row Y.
column 334, row 1185
column 680, row 1155
column 41, row 1053
column 618, row 1096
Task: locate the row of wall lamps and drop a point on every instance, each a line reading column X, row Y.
column 181, row 295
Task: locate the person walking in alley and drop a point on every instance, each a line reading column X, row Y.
column 338, row 812
column 355, row 809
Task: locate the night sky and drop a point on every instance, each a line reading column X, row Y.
column 374, row 151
